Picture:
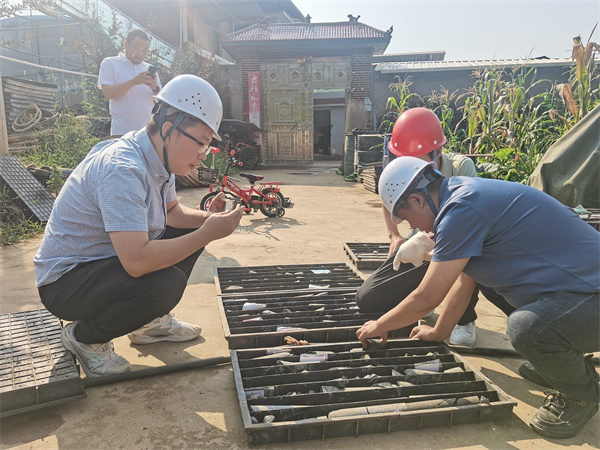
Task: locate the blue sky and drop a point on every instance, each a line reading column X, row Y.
column 468, row 30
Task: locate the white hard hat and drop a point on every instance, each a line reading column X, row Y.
column 401, row 177
column 196, row 98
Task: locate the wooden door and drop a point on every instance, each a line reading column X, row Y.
column 287, row 112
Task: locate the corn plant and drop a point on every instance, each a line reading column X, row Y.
column 401, row 100
column 483, row 112
column 441, row 103
column 579, row 94
column 528, row 126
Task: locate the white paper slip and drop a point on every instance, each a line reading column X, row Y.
column 313, row 357
column 249, row 306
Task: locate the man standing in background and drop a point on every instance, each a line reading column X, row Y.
column 129, row 83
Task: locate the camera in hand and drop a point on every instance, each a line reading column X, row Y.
column 152, row 70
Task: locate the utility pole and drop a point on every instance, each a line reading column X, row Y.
column 183, row 34
column 3, row 130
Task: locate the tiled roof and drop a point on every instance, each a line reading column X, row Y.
column 422, row 66
column 305, row 31
column 436, row 55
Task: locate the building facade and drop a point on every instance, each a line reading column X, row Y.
column 295, row 75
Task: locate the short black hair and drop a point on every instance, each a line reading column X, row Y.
column 136, row 32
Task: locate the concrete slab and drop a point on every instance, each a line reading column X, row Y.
column 199, row 409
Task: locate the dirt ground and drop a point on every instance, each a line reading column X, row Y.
column 199, row 409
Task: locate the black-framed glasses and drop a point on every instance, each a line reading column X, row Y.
column 204, row 148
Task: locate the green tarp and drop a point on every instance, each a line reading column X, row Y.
column 570, row 169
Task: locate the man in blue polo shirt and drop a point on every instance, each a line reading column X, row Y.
column 535, row 253
column 119, row 248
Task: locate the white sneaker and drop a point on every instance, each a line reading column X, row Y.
column 165, row 328
column 96, row 359
column 463, row 335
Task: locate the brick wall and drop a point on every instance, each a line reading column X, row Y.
column 357, row 113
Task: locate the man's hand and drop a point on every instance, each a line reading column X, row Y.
column 111, row 91
column 151, row 81
column 395, row 238
column 424, row 333
column 395, row 242
column 416, row 250
column 143, row 78
column 218, row 203
column 222, row 224
column 370, row 329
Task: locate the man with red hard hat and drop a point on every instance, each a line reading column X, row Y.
column 417, row 132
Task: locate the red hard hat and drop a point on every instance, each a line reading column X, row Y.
column 417, row 132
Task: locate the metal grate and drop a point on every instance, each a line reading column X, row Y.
column 239, row 281
column 265, row 319
column 367, row 255
column 330, row 390
column 592, row 217
column 34, row 197
column 35, row 369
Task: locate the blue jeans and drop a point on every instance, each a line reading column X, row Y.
column 553, row 334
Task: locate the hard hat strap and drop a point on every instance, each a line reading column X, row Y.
column 435, row 153
column 422, row 185
column 425, row 192
column 162, row 114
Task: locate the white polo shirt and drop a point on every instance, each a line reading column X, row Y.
column 133, row 110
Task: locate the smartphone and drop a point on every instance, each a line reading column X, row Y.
column 152, row 70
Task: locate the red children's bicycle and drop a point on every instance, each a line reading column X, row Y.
column 266, row 196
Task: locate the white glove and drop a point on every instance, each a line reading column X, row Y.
column 416, row 250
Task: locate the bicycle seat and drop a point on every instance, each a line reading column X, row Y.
column 251, row 178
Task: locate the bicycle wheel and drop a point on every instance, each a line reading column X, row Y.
column 247, row 207
column 276, row 208
column 207, row 200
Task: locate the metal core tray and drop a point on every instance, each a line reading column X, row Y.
column 239, row 281
column 295, row 393
column 367, row 255
column 263, row 319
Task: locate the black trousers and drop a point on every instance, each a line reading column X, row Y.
column 108, row 302
column 386, row 288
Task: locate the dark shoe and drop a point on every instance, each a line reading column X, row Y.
column 561, row 416
column 527, row 371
